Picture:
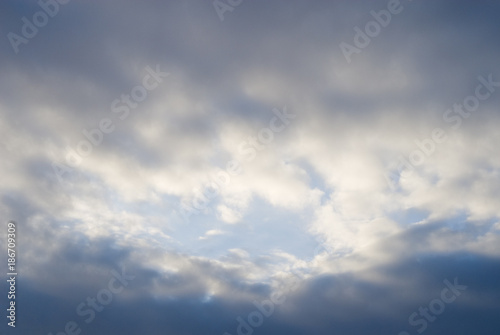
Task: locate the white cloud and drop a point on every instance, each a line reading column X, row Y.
column 212, row 232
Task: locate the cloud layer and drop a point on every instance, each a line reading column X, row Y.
column 224, row 163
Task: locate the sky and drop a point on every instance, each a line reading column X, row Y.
column 245, row 167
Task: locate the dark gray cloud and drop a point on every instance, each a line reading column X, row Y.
column 342, row 303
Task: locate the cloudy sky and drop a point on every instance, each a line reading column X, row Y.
column 251, row 167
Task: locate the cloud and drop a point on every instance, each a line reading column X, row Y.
column 170, row 288
column 333, row 199
column 212, row 232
